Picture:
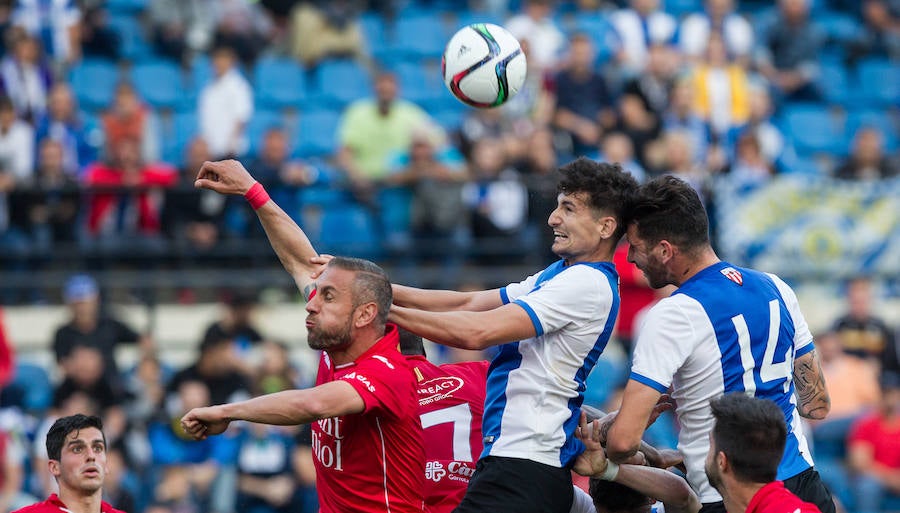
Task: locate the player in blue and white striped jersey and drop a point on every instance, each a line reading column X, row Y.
column 550, row 329
column 725, row 329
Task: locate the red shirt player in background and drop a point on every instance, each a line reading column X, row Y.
column 451, row 404
column 746, row 445
column 76, row 448
column 366, row 434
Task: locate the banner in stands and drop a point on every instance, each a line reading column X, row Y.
column 803, row 227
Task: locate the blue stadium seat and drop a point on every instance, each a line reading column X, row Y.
column 879, row 81
column 341, row 82
column 449, row 119
column 603, row 380
column 834, row 83
column 601, row 33
column 837, row 28
column 317, row 133
column 349, row 230
column 813, row 130
column 279, row 83
column 680, row 8
column 34, row 381
column 376, row 35
column 420, row 84
column 394, row 214
column 177, row 132
column 160, row 83
column 261, row 122
column 94, row 82
column 127, row 6
column 134, row 43
column 420, row 36
column 879, row 119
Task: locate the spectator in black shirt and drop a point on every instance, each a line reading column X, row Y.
column 861, row 331
column 789, row 53
column 217, row 367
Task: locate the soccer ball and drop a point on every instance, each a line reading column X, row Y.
column 483, row 65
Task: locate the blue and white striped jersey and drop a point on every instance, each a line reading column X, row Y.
column 727, row 329
column 535, row 387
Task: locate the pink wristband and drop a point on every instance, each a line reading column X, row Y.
column 257, row 196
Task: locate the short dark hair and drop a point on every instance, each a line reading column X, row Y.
column 615, row 496
column 371, row 284
column 608, row 186
column 56, row 436
column 668, row 208
column 411, row 344
column 752, row 434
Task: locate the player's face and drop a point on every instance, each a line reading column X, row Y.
column 576, row 228
column 330, row 311
column 712, row 469
column 82, row 465
column 647, row 259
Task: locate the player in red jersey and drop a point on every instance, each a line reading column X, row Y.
column 746, row 445
column 366, row 433
column 451, row 404
column 76, row 447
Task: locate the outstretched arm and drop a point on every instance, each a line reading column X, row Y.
column 287, row 239
column 624, row 437
column 446, row 300
column 813, row 400
column 467, row 330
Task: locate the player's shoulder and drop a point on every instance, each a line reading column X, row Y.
column 39, row 507
column 476, row 370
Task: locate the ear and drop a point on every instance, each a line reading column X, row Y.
column 667, row 251
column 365, row 314
column 722, row 461
column 607, row 226
column 53, row 466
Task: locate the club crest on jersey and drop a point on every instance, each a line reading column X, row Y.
column 733, row 274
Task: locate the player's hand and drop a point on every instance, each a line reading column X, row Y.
column 224, row 177
column 321, row 261
column 593, row 460
column 665, row 458
column 663, row 405
column 200, row 423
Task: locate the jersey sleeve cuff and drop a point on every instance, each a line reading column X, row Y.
column 504, row 296
column 655, row 385
column 538, row 328
column 805, row 349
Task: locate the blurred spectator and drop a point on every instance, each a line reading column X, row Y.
column 371, row 130
column 129, row 118
column 192, row 218
column 56, row 22
column 497, row 202
column 862, row 332
column 243, row 26
column 538, row 168
column 63, row 124
column 489, row 123
column 771, row 141
column 874, row 454
column 266, row 481
column 545, row 40
column 116, row 489
column 89, row 326
column 679, row 161
column 145, row 386
column 720, row 89
column 880, row 36
column 653, row 85
column 788, row 53
column 682, row 116
column 750, row 166
column 584, row 105
column 12, row 474
column 638, row 124
column 100, row 40
column 225, row 106
column 852, row 382
column 216, row 368
column 867, row 160
column 181, row 27
column 532, row 107
column 46, row 206
column 276, row 373
column 617, row 148
column 719, row 18
column 126, row 200
column 186, row 468
column 281, row 175
column 25, row 78
column 326, row 29
column 639, row 27
column 16, row 144
column 236, row 325
column 435, row 173
column 305, row 470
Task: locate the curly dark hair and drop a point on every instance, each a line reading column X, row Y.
column 608, row 187
column 668, row 208
column 615, row 496
column 56, row 436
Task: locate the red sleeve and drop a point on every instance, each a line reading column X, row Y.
column 6, row 355
column 385, row 385
column 863, row 430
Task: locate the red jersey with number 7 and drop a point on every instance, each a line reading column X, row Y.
column 451, row 404
column 371, row 462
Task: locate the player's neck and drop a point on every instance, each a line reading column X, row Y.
column 737, row 495
column 78, row 503
column 362, row 342
column 686, row 266
column 604, row 253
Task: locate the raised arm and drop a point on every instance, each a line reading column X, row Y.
column 467, row 330
column 287, row 239
column 813, row 401
column 446, row 300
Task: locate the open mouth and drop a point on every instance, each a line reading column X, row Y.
column 557, row 236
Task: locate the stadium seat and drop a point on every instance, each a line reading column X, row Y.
column 813, row 130
column 601, row 33
column 279, row 83
column 261, row 122
column 94, row 82
column 340, row 82
column 159, row 83
column 349, row 230
column 680, row 8
column 134, row 43
column 449, row 119
column 127, row 6
column 177, row 131
column 317, row 133
column 421, row 84
column 394, row 214
column 837, row 28
column 376, row 36
column 34, row 382
column 881, row 120
column 879, row 81
column 834, row 83
column 420, row 36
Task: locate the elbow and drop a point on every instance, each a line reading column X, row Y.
column 620, row 449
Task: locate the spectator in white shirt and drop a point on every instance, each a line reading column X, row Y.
column 56, row 22
column 536, row 25
column 719, row 17
column 638, row 28
column 226, row 105
column 16, row 143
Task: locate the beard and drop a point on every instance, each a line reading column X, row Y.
column 712, row 475
column 324, row 339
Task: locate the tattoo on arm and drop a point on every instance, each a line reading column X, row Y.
column 308, row 290
column 812, row 394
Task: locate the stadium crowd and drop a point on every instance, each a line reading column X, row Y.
column 337, row 107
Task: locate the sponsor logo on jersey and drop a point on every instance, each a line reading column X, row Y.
column 384, row 361
column 733, row 274
column 434, row 471
column 362, row 379
column 438, row 388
